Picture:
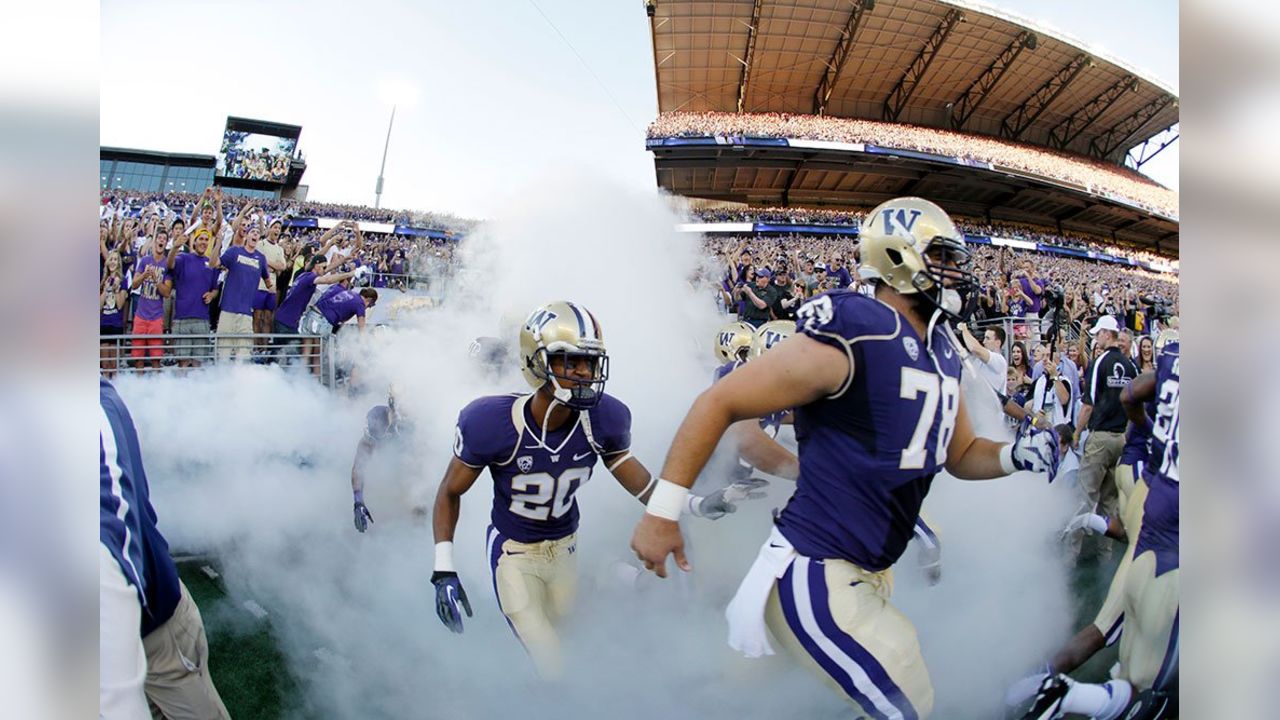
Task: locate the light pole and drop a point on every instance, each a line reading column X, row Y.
column 377, row 201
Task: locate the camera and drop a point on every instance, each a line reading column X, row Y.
column 1054, row 296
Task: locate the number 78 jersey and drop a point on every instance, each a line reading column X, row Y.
column 535, row 478
column 869, row 451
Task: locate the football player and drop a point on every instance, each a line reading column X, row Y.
column 759, row 448
column 733, row 346
column 1107, row 626
column 539, row 449
column 1146, row 685
column 383, row 424
column 875, row 383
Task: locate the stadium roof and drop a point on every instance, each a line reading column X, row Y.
column 955, row 65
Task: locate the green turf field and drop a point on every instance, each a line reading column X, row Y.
column 255, row 682
column 247, row 668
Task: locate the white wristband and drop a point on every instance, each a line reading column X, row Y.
column 444, row 556
column 1006, row 460
column 667, row 500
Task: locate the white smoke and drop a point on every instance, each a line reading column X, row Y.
column 252, row 464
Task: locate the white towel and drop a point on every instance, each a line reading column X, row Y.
column 745, row 613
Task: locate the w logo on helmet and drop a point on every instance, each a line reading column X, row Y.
column 771, row 338
column 539, row 320
column 726, row 338
column 895, row 220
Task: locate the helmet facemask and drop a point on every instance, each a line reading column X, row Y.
column 573, row 391
column 946, row 283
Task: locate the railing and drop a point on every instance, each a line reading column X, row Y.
column 135, row 354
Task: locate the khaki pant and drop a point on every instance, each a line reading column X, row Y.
column 178, row 684
column 836, row 618
column 1096, row 478
column 536, row 584
column 230, row 323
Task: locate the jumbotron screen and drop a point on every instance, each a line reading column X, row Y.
column 257, row 150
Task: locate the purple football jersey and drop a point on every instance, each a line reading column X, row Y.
column 1160, row 512
column 535, row 477
column 868, row 453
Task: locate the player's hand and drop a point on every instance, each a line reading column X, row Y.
column 451, row 599
column 725, row 500
column 931, row 564
column 1089, row 523
column 1036, row 450
column 654, row 539
column 363, row 516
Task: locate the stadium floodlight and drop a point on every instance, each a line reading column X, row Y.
column 394, row 93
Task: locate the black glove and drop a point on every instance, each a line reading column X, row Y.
column 449, row 596
column 363, row 516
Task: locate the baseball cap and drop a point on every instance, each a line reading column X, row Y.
column 1106, row 322
column 764, row 272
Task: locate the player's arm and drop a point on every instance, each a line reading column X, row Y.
column 970, row 457
column 1136, row 394
column 795, row 372
column 451, row 599
column 763, row 452
column 630, row 473
column 364, row 451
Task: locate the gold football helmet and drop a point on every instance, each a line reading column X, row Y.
column 1166, row 336
column 770, row 334
column 911, row 245
column 569, row 331
column 733, row 342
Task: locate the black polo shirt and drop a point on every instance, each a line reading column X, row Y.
column 1104, row 381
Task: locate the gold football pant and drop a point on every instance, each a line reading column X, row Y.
column 1133, row 494
column 1149, row 645
column 835, row 617
column 536, row 584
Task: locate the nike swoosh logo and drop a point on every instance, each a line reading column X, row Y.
column 576, row 458
column 777, row 546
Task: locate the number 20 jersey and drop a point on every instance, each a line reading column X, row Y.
column 535, row 479
column 868, row 452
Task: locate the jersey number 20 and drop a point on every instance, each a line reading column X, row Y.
column 914, row 382
column 541, row 496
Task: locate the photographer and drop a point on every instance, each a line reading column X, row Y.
column 790, row 295
column 757, row 299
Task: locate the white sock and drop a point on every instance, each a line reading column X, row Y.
column 1101, row 702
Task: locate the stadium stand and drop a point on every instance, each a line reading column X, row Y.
column 1098, row 176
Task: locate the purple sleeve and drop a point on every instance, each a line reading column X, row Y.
column 834, row 318
column 228, row 257
column 611, row 425
column 484, row 433
column 262, row 263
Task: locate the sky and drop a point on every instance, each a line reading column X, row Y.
column 489, row 95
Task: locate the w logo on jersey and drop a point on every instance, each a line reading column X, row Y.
column 539, row 320
column 895, row 220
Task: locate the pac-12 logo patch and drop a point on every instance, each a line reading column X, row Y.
column 913, row 348
column 525, row 463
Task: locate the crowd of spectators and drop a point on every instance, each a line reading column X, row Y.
column 170, row 268
column 184, row 203
column 803, row 266
column 1098, row 176
column 852, row 218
